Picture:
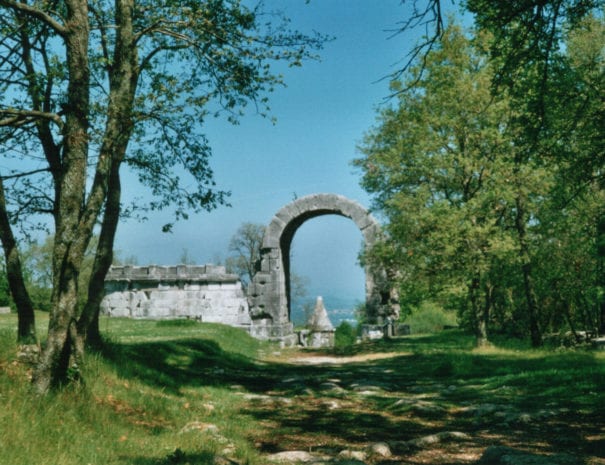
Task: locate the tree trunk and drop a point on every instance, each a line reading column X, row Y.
column 600, row 278
column 567, row 313
column 73, row 225
column 56, row 366
column 483, row 318
column 88, row 324
column 26, row 332
column 123, row 82
column 526, row 269
column 478, row 314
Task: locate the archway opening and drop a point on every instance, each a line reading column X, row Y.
column 268, row 294
column 324, row 252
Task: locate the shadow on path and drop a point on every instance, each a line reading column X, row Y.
column 544, row 402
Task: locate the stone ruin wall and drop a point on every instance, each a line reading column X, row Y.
column 205, row 293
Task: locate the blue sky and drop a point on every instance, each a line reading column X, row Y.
column 321, row 115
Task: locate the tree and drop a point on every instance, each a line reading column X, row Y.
column 246, row 245
column 549, row 59
column 529, row 55
column 577, row 118
column 90, row 87
column 26, row 331
column 546, row 66
column 186, row 258
column 5, row 297
column 37, row 271
column 443, row 168
column 527, row 34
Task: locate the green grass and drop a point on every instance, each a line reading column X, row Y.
column 152, row 380
column 429, row 318
column 151, row 394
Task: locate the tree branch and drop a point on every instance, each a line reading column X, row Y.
column 35, row 13
column 431, row 15
column 25, row 174
column 14, row 116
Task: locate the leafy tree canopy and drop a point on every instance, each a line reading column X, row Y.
column 87, row 87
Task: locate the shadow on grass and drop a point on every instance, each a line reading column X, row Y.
column 426, row 363
column 437, row 383
column 179, row 363
column 443, row 341
column 175, row 458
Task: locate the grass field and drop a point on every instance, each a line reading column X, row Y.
column 178, row 393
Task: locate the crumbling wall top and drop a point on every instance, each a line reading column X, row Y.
column 154, row 273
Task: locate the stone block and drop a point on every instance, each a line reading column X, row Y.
column 599, row 343
column 319, row 339
column 272, row 235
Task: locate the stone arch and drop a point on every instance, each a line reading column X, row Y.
column 269, row 293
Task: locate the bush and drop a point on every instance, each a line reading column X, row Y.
column 429, row 317
column 345, row 335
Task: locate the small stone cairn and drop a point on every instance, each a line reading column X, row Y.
column 321, row 331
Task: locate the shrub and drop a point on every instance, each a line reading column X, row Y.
column 429, row 317
column 345, row 335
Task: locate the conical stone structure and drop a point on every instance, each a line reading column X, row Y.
column 321, row 328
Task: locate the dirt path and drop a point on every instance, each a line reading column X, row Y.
column 320, row 359
column 388, row 408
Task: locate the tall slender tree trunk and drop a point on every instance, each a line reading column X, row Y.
column 26, row 332
column 88, row 324
column 479, row 314
column 526, row 269
column 566, row 305
column 123, row 83
column 483, row 319
column 600, row 278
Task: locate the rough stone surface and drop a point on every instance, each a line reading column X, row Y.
column 353, row 454
column 321, row 331
column 199, row 427
column 599, row 343
column 428, row 441
column 29, row 354
column 419, row 407
column 269, row 292
column 206, row 293
column 381, row 449
column 295, row 456
column 319, row 320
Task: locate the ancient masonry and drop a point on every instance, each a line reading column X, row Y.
column 319, row 332
column 209, row 294
column 269, row 292
column 206, row 293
